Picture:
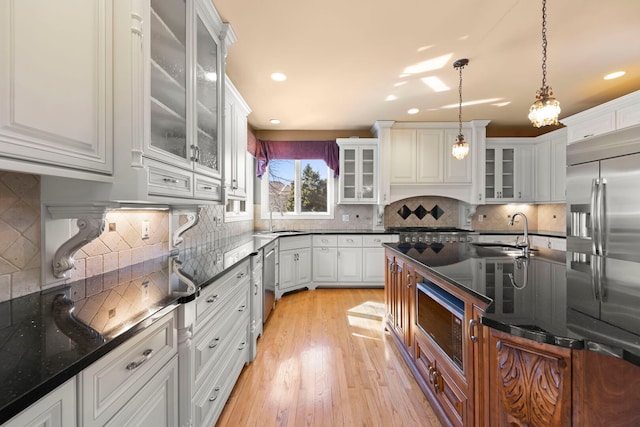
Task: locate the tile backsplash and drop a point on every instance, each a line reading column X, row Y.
column 424, row 211
column 19, row 234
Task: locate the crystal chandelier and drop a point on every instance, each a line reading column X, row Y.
column 546, row 108
column 460, row 149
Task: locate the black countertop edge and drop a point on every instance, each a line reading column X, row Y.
column 27, row 399
column 523, row 331
column 462, row 287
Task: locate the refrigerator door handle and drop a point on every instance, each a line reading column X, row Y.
column 595, row 278
column 601, row 217
column 593, row 217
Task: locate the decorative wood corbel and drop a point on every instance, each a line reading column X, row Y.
column 91, row 223
column 193, row 216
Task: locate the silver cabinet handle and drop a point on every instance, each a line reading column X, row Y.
column 479, row 196
column 240, row 275
column 206, row 187
column 212, row 298
column 171, row 180
column 194, row 155
column 214, row 396
column 587, row 135
column 519, row 194
column 139, row 361
column 243, row 307
column 472, row 325
column 215, row 342
column 377, row 240
column 350, row 240
column 242, row 345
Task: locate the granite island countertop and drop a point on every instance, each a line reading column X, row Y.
column 536, row 305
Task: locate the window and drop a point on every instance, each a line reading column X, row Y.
column 300, row 188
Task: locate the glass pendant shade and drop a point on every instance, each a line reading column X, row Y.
column 544, row 111
column 460, row 149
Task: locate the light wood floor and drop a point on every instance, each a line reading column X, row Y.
column 325, row 360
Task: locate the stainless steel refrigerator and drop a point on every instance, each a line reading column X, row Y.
column 603, row 235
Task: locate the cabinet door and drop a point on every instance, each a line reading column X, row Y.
column 303, row 266
column 558, row 169
column 507, row 165
column 155, row 404
column 56, row 84
column 403, row 162
column 325, row 264
column 373, row 265
column 206, row 141
column 169, row 140
column 455, row 171
column 350, row 265
column 429, row 144
column 368, row 174
column 524, row 183
column 287, row 269
column 349, row 174
column 492, row 176
column 56, row 409
column 543, row 171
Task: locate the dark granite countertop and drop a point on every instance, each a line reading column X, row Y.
column 537, row 305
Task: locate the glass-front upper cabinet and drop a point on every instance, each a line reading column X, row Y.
column 168, row 69
column 358, row 170
column 207, row 100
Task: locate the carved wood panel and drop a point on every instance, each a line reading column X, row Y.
column 531, row 384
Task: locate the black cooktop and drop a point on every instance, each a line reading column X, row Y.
column 428, row 230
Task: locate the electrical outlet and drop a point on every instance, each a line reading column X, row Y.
column 145, row 230
column 345, row 218
column 480, row 218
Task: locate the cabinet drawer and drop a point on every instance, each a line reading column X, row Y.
column 211, row 398
column 350, row 241
column 165, row 180
column 376, row 240
column 220, row 292
column 325, row 240
column 216, row 338
column 295, row 242
column 112, row 381
column 207, row 189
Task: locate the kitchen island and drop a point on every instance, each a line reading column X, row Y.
column 527, row 357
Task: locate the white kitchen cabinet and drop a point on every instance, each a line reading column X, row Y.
column 373, row 262
column 613, row 115
column 110, row 384
column 235, row 139
column 358, row 181
column 325, row 258
column 56, row 409
column 550, row 167
column 509, row 170
column 294, row 264
column 257, row 295
column 557, row 243
column 56, row 86
column 214, row 334
column 156, row 404
column 349, row 258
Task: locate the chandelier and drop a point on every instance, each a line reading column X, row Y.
column 460, row 148
column 546, row 108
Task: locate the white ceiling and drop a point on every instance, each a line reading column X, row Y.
column 343, row 58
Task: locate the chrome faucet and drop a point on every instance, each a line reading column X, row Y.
column 273, row 207
column 524, row 244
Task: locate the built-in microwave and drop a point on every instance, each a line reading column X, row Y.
column 440, row 316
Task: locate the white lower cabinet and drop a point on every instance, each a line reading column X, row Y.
column 294, row 264
column 214, row 345
column 111, row 384
column 56, row 409
column 349, row 259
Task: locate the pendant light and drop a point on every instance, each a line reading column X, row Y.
column 546, row 108
column 460, row 149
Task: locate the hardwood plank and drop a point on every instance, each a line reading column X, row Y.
column 325, row 360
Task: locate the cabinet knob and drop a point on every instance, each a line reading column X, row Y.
column 212, row 298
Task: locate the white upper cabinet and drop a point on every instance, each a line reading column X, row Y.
column 235, row 138
column 419, row 160
column 509, row 166
column 613, row 115
column 550, row 167
column 56, row 113
column 358, row 181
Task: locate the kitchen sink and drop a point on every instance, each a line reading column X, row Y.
column 506, row 249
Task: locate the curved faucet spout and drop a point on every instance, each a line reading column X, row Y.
column 524, row 244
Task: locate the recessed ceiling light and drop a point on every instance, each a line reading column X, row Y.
column 435, row 83
column 413, row 111
column 279, row 77
column 274, row 121
column 615, row 75
column 391, row 98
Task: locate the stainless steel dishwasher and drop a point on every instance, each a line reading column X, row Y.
column 269, row 272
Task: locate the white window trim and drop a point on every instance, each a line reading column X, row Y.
column 265, row 205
